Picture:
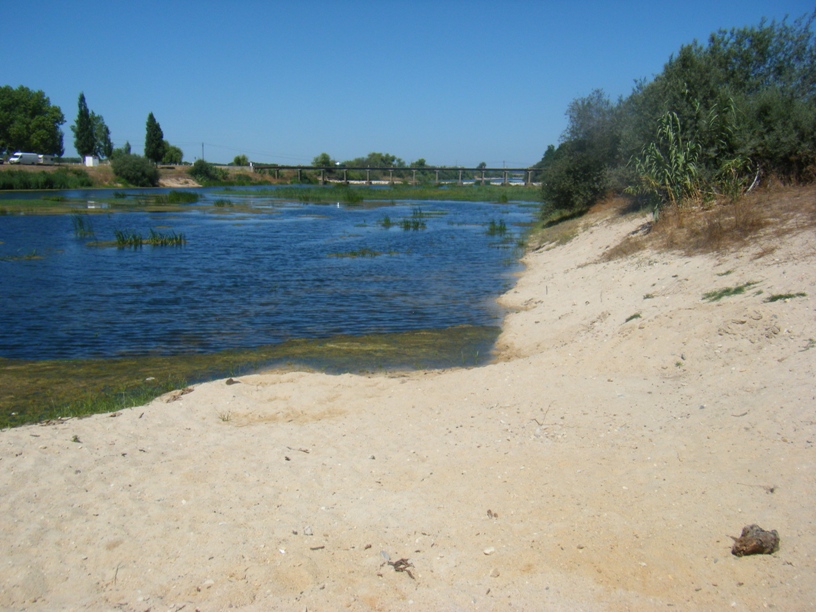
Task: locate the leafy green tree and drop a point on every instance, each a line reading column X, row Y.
column 103, row 146
column 323, row 160
column 83, row 129
column 123, row 150
column 575, row 174
column 154, row 140
column 135, row 170
column 240, row 160
column 172, row 154
column 29, row 122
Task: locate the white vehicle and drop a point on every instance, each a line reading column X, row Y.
column 45, row 160
column 24, row 158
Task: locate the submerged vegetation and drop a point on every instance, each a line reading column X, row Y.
column 35, row 391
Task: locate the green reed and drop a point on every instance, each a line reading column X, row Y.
column 83, row 228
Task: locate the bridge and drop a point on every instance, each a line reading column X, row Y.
column 478, row 174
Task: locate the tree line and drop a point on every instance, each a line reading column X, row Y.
column 718, row 118
column 29, row 122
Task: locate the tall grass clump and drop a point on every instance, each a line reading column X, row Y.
column 170, row 239
column 415, row 222
column 128, row 239
column 83, row 228
column 497, row 229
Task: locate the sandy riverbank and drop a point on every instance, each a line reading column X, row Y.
column 600, row 464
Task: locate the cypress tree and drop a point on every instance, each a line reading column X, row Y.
column 84, row 140
column 154, row 140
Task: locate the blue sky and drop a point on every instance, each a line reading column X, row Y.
column 454, row 82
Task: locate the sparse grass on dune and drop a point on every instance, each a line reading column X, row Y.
column 750, row 220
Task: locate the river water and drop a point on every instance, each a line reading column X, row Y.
column 257, row 274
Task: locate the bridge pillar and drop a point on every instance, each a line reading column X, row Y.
column 504, row 181
column 414, row 177
column 368, row 177
column 483, row 178
column 345, row 176
column 529, row 180
column 460, row 177
column 437, row 177
column 322, row 176
column 391, row 177
column 299, row 177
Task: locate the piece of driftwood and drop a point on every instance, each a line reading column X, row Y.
column 755, row 541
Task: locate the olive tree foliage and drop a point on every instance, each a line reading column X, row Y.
column 240, row 160
column 718, row 116
column 154, row 140
column 29, row 122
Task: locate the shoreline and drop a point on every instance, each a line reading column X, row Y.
column 601, row 462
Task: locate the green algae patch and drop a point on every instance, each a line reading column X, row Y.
column 35, row 391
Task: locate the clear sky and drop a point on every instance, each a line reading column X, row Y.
column 453, row 82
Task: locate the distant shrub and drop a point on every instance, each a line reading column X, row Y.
column 205, row 173
column 135, row 170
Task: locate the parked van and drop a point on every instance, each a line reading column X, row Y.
column 45, row 160
column 24, row 158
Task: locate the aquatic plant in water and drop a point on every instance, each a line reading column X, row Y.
column 497, row 229
column 170, row 239
column 127, row 238
column 83, row 228
column 416, row 222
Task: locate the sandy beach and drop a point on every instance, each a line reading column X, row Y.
column 626, row 430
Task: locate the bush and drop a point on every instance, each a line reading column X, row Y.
column 135, row 170
column 207, row 174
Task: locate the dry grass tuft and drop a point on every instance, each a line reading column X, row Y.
column 725, row 226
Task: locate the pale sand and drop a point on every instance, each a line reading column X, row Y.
column 600, row 465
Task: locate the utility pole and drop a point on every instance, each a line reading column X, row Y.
column 202, row 150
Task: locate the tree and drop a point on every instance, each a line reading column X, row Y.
column 29, row 122
column 154, row 140
column 123, row 150
column 323, row 160
column 83, row 129
column 103, row 147
column 240, row 160
column 172, row 154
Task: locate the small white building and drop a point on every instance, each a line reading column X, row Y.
column 91, row 161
